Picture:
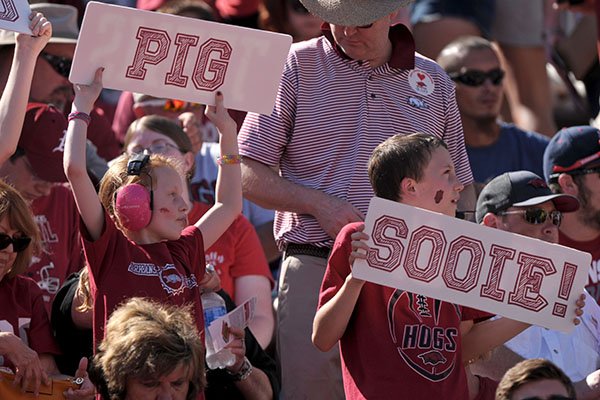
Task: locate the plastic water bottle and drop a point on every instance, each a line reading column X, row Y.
column 214, row 307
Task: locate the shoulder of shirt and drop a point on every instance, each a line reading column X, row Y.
column 508, row 128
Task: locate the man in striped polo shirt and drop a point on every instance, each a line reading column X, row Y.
column 340, row 96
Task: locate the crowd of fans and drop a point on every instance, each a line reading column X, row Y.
column 113, row 204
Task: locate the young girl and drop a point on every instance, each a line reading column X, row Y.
column 158, row 258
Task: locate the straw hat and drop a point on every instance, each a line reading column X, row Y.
column 353, row 12
column 64, row 24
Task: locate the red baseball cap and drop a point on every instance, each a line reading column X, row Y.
column 43, row 141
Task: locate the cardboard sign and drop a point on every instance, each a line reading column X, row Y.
column 180, row 58
column 464, row 263
column 14, row 16
column 239, row 318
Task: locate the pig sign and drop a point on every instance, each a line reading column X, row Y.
column 180, row 58
column 14, row 16
column 464, row 263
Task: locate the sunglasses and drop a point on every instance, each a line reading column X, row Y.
column 476, row 78
column 62, row 65
column 552, row 397
column 537, row 216
column 19, row 243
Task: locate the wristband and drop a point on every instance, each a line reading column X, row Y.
column 244, row 371
column 79, row 115
column 229, row 159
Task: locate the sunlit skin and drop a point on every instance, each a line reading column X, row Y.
column 169, row 215
column 481, row 102
column 48, row 86
column 21, row 176
column 541, row 389
column 7, row 255
column 371, row 44
column 173, row 386
column 589, row 193
column 438, row 189
column 516, row 223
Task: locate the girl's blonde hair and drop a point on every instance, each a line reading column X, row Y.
column 20, row 218
column 116, row 177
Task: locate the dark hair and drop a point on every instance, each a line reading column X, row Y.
column 198, row 8
column 451, row 58
column 398, row 157
column 532, row 370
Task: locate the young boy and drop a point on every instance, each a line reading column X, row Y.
column 396, row 344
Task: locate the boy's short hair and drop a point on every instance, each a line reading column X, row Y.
column 532, row 370
column 398, row 157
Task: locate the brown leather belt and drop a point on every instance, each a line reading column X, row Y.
column 293, row 249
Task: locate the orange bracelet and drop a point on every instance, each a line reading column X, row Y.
column 229, row 159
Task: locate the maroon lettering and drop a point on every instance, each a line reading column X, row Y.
column 471, row 277
column 532, row 270
column 145, row 54
column 183, row 42
column 420, row 236
column 216, row 66
column 566, row 281
column 381, row 228
column 9, row 11
column 491, row 289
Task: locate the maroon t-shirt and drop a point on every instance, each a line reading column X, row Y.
column 592, row 247
column 22, row 312
column 397, row 344
column 57, row 218
column 167, row 271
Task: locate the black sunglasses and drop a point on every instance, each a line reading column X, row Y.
column 62, row 65
column 476, row 78
column 19, row 243
column 537, row 216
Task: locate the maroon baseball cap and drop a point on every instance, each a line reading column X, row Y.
column 43, row 141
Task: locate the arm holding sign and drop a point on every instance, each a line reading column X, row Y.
column 13, row 102
column 74, row 161
column 331, row 319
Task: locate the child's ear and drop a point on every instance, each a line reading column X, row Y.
column 408, row 187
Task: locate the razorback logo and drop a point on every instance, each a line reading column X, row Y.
column 432, row 357
column 538, row 183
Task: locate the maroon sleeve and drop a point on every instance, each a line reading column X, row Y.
column 338, row 266
column 98, row 253
column 39, row 333
column 249, row 255
column 124, row 115
column 101, row 134
column 474, row 314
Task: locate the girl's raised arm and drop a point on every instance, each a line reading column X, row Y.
column 228, row 193
column 74, row 162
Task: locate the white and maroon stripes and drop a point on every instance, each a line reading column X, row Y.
column 330, row 114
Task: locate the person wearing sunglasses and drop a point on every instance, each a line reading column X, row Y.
column 521, row 202
column 535, row 379
column 27, row 345
column 572, row 166
column 494, row 147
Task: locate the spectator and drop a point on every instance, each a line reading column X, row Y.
column 291, row 17
column 520, row 202
column 133, row 238
column 151, row 350
column 371, row 321
column 340, row 96
column 535, row 379
column 494, row 147
column 572, row 166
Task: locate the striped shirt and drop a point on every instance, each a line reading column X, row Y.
column 332, row 111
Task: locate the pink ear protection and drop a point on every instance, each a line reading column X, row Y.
column 133, row 202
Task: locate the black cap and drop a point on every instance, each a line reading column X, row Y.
column 571, row 149
column 520, row 189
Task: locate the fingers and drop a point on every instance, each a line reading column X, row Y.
column 98, row 76
column 82, row 368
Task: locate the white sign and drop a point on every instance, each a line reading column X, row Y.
column 180, row 58
column 238, row 318
column 464, row 263
column 14, row 16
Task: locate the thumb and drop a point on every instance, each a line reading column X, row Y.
column 82, row 369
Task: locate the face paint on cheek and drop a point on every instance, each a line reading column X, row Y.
column 439, row 195
column 164, row 211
